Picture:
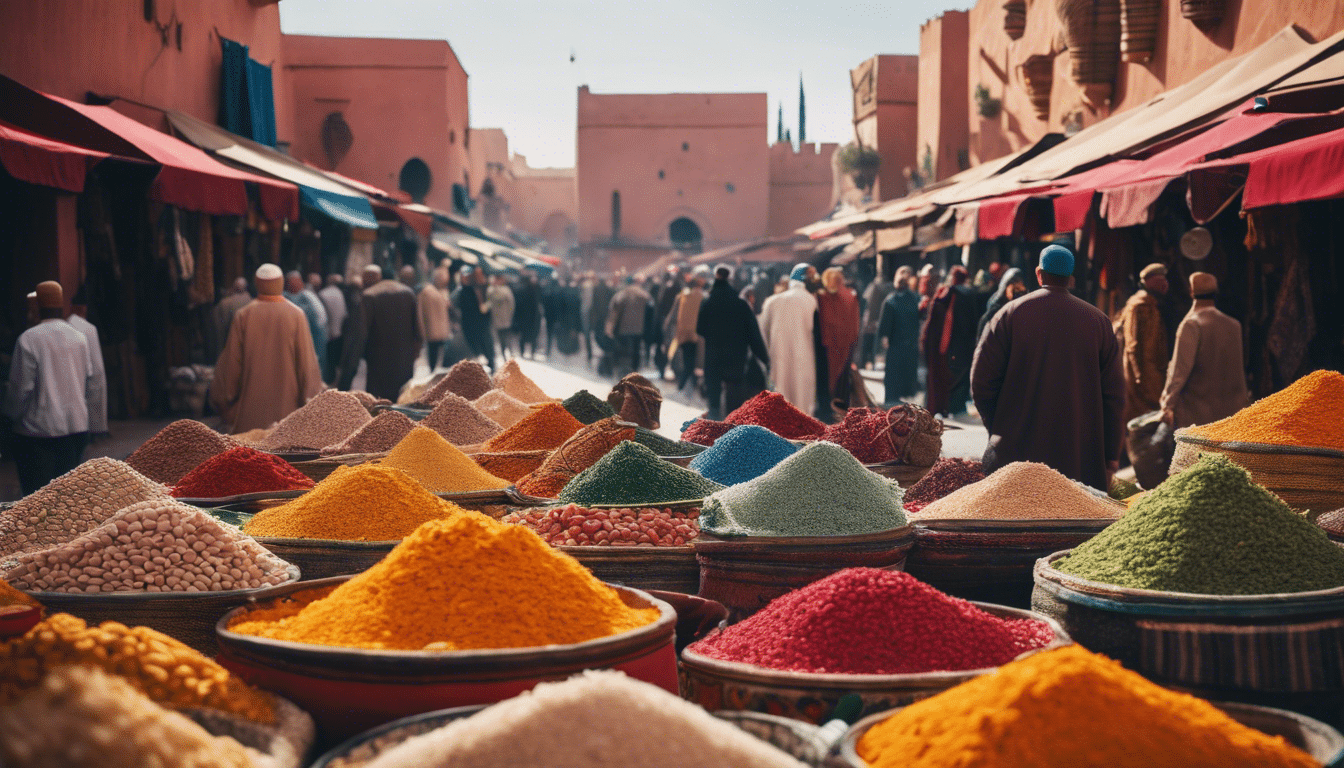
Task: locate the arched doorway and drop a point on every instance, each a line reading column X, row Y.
column 415, row 179
column 685, row 235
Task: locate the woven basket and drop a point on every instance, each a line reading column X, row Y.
column 1038, row 75
column 1278, row 650
column 1092, row 33
column 1307, row 479
column 1138, row 29
column 1015, row 18
column 1204, row 12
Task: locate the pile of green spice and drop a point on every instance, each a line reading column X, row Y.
column 632, row 474
column 821, row 490
column 1211, row 530
column 587, row 407
column 663, row 446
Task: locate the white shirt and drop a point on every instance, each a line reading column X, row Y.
column 98, row 407
column 334, row 300
column 52, row 381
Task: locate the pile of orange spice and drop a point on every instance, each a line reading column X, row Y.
column 1307, row 413
column 1066, row 708
column 545, row 428
column 11, row 598
column 466, row 583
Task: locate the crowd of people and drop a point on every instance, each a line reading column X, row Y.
column 1045, row 355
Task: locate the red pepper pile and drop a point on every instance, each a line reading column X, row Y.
column 944, row 477
column 871, row 621
column 575, row 526
column 240, row 470
column 705, row 431
column 864, row 432
column 772, row 411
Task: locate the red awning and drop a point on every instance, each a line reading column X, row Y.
column 40, row 160
column 1128, row 199
column 190, row 178
column 1295, row 172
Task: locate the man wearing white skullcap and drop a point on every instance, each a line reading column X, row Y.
column 268, row 367
column 52, row 386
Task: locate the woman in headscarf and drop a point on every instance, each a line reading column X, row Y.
column 899, row 325
column 1012, row 285
column 838, row 310
column 948, row 341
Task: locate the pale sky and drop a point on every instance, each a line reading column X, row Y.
column 516, row 53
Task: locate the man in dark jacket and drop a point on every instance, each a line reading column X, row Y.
column 391, row 338
column 729, row 329
column 470, row 302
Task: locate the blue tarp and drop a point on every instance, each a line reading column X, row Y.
column 346, row 209
column 261, row 102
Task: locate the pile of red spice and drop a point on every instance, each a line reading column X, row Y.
column 944, row 477
column 868, row 621
column 864, row 432
column 772, row 411
column 705, row 431
column 240, row 470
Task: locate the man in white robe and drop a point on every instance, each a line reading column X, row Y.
column 787, row 322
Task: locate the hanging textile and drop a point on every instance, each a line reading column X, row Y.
column 233, row 88
column 261, row 103
column 246, row 96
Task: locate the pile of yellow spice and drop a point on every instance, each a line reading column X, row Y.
column 457, row 584
column 366, row 502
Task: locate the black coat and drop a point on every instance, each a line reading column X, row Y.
column 729, row 329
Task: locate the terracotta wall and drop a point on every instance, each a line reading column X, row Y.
column 402, row 99
column 1183, row 51
column 801, row 185
column 943, row 95
column 72, row 47
column 887, row 119
column 710, row 148
column 545, row 203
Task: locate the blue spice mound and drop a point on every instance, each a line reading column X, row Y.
column 630, row 473
column 821, row 490
column 743, row 453
column 1211, row 530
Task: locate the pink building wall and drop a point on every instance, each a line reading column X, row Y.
column 73, row 47
column 402, row 99
column 710, row 149
column 889, row 118
column 943, row 125
column 1183, row 51
column 801, row 186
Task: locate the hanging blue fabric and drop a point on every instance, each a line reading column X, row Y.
column 261, row 103
column 233, row 92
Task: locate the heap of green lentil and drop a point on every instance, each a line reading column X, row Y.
column 587, row 407
column 1211, row 530
column 630, row 473
column 663, row 446
column 821, row 490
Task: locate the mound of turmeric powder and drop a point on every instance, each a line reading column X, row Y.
column 460, row 584
column 1066, row 708
column 13, row 598
column 1307, row 413
column 364, row 502
column 439, row 465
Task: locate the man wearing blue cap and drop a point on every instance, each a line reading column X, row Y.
column 788, row 321
column 1047, row 380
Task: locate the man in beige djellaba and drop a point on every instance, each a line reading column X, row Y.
column 268, row 367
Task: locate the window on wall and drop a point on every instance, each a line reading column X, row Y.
column 615, row 214
column 685, row 235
